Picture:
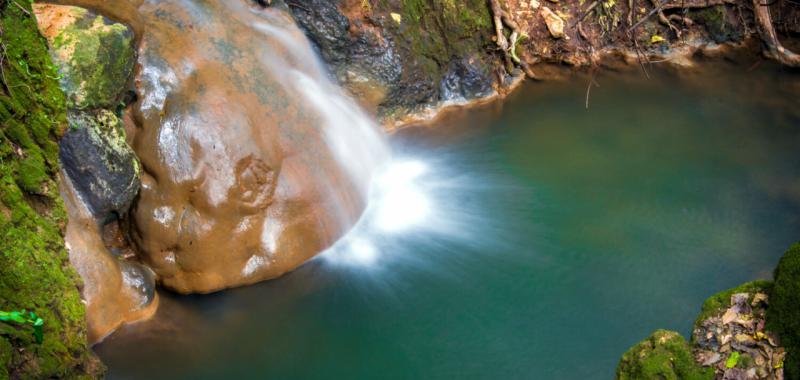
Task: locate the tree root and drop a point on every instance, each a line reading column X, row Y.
column 662, row 18
column 501, row 19
column 773, row 47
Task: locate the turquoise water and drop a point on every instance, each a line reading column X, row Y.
column 557, row 237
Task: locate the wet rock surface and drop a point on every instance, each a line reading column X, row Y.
column 116, row 289
column 402, row 57
column 735, row 343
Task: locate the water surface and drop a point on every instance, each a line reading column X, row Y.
column 544, row 239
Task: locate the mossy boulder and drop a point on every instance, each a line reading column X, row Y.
column 100, row 163
column 95, row 56
column 664, row 355
column 36, row 274
column 783, row 315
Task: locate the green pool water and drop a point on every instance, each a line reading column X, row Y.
column 558, row 237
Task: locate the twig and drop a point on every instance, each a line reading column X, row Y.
column 588, row 11
column 21, row 8
column 589, row 87
column 298, row 6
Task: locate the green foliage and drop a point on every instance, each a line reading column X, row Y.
column 23, row 317
column 35, row 268
column 664, row 355
column 783, row 315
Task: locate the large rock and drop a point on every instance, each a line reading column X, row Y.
column 94, row 55
column 237, row 136
column 100, row 163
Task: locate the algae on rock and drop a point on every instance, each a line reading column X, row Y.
column 36, row 274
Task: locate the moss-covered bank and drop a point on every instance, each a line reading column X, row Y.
column 36, row 274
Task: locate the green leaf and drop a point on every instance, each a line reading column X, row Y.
column 732, row 360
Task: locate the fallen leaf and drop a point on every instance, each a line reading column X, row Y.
column 396, row 17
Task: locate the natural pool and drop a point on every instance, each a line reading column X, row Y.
column 544, row 240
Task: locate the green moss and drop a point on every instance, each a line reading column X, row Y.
column 664, row 355
column 722, row 300
column 95, row 59
column 36, row 273
column 783, row 315
column 5, row 358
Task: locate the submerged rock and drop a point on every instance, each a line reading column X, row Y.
column 664, row 355
column 94, row 55
column 99, row 161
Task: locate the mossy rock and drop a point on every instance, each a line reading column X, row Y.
column 721, row 301
column 95, row 56
column 783, row 315
column 36, row 274
column 100, row 163
column 664, row 355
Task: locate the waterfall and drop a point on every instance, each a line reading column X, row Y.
column 254, row 160
column 352, row 135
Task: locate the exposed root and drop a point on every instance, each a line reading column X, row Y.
column 503, row 19
column 678, row 4
column 773, row 48
column 663, row 18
